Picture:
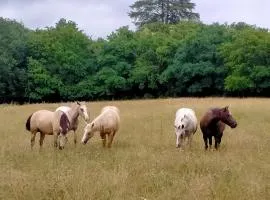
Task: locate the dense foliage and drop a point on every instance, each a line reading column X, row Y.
column 165, row 11
column 62, row 63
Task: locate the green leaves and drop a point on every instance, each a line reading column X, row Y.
column 41, row 85
column 64, row 53
column 61, row 63
column 197, row 68
column 13, row 50
column 237, row 83
column 164, row 11
column 247, row 57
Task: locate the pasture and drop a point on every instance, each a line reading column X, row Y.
column 143, row 162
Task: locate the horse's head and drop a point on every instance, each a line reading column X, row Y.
column 180, row 128
column 88, row 132
column 83, row 111
column 226, row 117
column 62, row 141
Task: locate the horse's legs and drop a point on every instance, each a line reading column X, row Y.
column 103, row 137
column 182, row 139
column 218, row 140
column 210, row 142
column 41, row 139
column 190, row 139
column 177, row 141
column 205, row 142
column 75, row 137
column 55, row 140
column 111, row 135
column 33, row 136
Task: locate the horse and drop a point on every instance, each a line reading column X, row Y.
column 212, row 124
column 75, row 122
column 185, row 125
column 107, row 123
column 55, row 123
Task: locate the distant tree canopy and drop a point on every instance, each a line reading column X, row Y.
column 61, row 63
column 13, row 55
column 164, row 11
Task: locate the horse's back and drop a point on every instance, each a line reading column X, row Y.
column 109, row 118
column 208, row 127
column 113, row 108
column 64, row 109
column 206, row 118
column 42, row 121
column 193, row 122
column 180, row 113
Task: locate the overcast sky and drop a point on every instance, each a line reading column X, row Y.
column 98, row 18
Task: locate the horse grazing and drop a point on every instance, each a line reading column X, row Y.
column 213, row 124
column 185, row 125
column 107, row 123
column 52, row 123
column 75, row 122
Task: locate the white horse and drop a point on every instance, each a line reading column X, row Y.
column 75, row 122
column 185, row 125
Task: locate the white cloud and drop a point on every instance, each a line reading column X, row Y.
column 248, row 11
column 98, row 18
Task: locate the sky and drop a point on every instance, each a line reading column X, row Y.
column 99, row 18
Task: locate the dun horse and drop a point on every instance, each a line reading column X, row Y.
column 107, row 123
column 213, row 124
column 52, row 123
column 75, row 122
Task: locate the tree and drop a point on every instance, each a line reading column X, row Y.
column 41, row 85
column 165, row 11
column 247, row 58
column 13, row 39
column 197, row 68
column 66, row 53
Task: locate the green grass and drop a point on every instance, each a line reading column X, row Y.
column 143, row 162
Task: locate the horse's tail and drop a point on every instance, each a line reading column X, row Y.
column 27, row 124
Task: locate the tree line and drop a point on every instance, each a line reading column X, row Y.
column 187, row 58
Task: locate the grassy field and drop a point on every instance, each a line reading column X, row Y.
column 143, row 162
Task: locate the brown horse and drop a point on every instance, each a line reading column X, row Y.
column 213, row 124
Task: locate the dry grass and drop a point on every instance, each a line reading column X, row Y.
column 143, row 162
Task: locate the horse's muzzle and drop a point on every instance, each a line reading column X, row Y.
column 234, row 125
column 84, row 142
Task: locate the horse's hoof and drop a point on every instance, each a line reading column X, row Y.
column 61, row 148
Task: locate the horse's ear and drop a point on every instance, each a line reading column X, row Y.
column 78, row 103
column 92, row 125
column 226, row 108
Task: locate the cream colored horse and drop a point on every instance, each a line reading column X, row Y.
column 52, row 123
column 107, row 124
column 75, row 122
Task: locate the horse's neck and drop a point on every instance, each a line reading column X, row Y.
column 73, row 115
column 215, row 117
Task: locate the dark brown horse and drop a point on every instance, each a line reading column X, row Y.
column 213, row 124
